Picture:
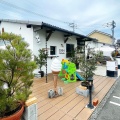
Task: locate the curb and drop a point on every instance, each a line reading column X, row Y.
column 102, row 103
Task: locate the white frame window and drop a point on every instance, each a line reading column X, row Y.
column 53, row 50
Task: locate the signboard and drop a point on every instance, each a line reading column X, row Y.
column 61, row 51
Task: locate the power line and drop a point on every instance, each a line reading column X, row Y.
column 28, row 11
column 72, row 25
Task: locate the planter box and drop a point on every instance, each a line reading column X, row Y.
column 112, row 68
column 30, row 112
column 82, row 92
column 37, row 75
column 118, row 61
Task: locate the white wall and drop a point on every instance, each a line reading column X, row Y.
column 56, row 39
column 19, row 29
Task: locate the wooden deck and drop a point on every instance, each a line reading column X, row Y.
column 70, row 106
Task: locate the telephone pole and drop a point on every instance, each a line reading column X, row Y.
column 73, row 25
column 112, row 25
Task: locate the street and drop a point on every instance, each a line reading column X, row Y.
column 109, row 108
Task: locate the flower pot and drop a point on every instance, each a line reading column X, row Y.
column 85, row 84
column 42, row 73
column 77, row 65
column 16, row 116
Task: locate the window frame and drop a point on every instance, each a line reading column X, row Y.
column 72, row 47
column 54, row 49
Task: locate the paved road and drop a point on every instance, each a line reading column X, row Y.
column 110, row 107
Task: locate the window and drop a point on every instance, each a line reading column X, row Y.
column 52, row 50
column 69, row 50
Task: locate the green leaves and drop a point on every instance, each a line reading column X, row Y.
column 41, row 58
column 88, row 66
column 16, row 69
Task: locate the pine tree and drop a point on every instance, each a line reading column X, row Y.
column 16, row 72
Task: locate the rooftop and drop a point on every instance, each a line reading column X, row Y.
column 51, row 27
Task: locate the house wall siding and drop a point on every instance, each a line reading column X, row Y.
column 101, row 38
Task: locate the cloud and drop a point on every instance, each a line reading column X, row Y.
column 13, row 15
column 87, row 14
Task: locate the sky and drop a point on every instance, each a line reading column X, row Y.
column 87, row 15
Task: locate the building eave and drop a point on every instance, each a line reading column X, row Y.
column 71, row 33
column 21, row 21
column 51, row 27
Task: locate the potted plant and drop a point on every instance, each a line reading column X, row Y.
column 16, row 74
column 41, row 60
column 75, row 57
column 87, row 65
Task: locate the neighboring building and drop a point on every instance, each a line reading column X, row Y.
column 104, row 39
column 118, row 43
column 57, row 41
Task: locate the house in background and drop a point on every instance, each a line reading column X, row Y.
column 103, row 39
column 57, row 41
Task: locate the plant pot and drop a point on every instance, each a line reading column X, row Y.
column 42, row 73
column 77, row 65
column 16, row 116
column 85, row 84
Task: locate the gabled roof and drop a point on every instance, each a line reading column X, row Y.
column 51, row 27
column 96, row 31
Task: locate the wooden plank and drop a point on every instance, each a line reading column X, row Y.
column 44, row 109
column 85, row 113
column 67, row 117
column 71, row 105
column 47, row 113
column 66, row 101
column 69, row 91
column 59, row 114
column 80, row 106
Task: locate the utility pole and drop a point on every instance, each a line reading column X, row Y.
column 73, row 25
column 112, row 25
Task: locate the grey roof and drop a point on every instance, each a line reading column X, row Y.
column 52, row 27
column 22, row 21
column 68, row 32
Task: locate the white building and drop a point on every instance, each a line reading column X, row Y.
column 40, row 35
